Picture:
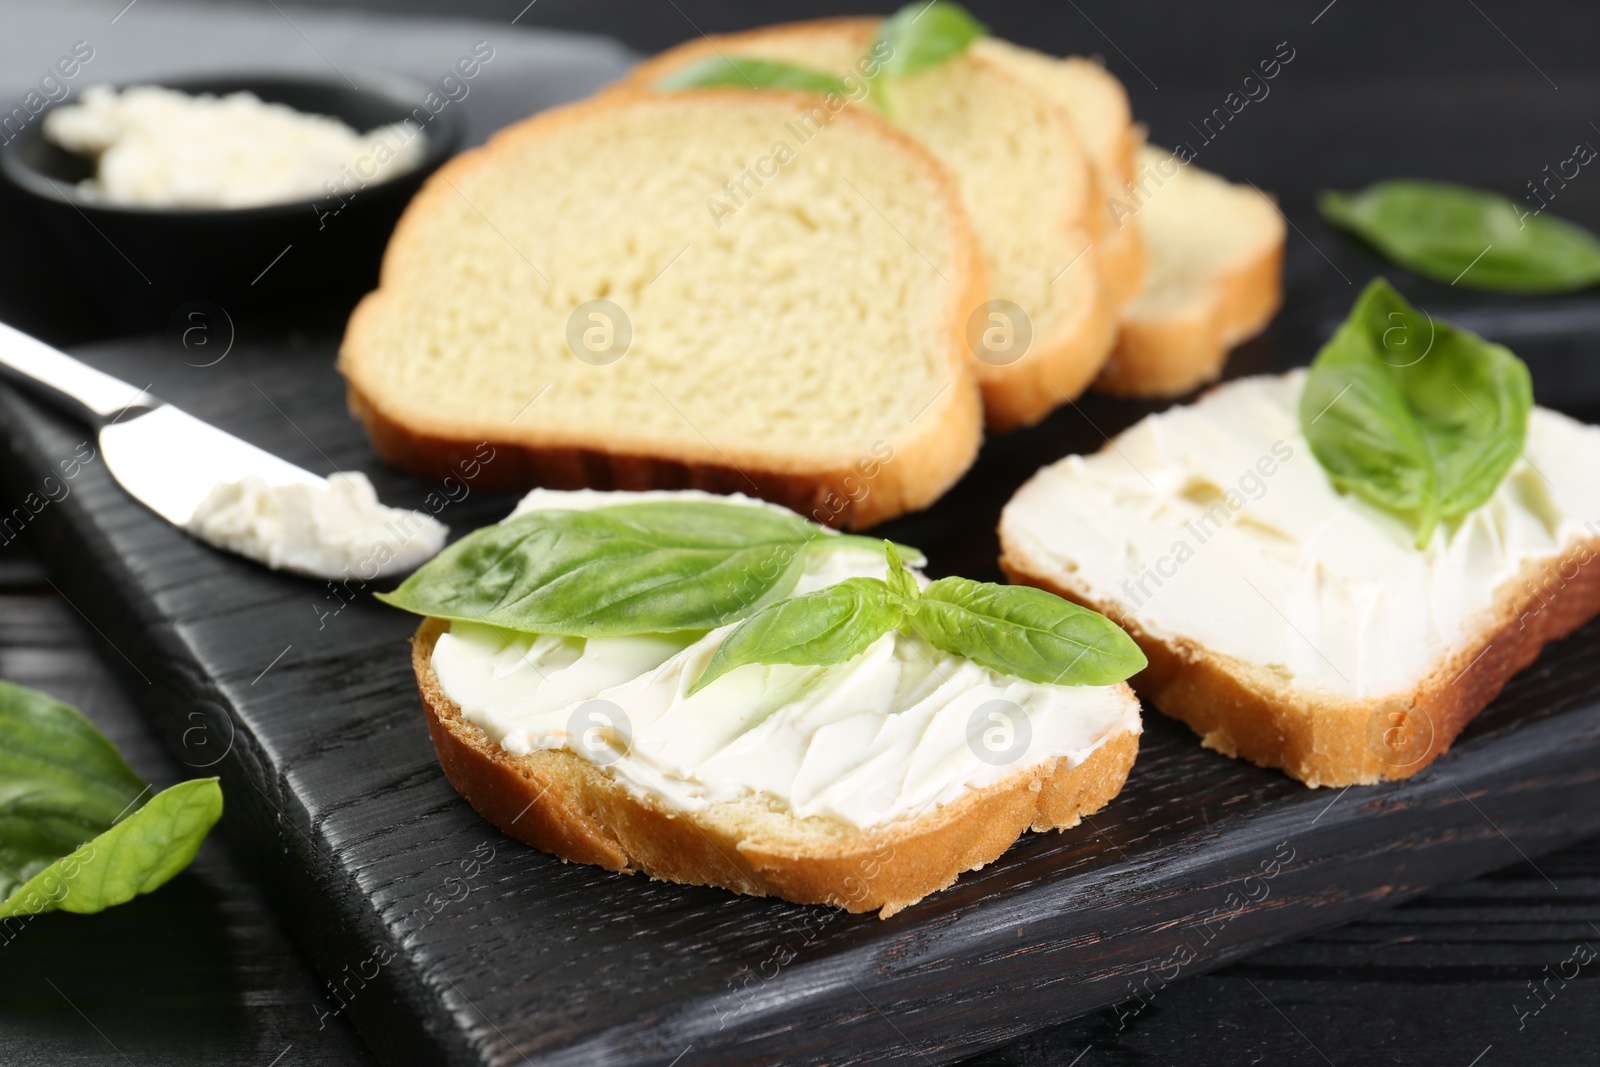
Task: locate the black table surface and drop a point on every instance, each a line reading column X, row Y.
column 1500, row 970
column 1493, row 972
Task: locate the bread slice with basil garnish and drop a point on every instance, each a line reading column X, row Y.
column 1332, row 571
column 715, row 691
column 566, row 294
column 1042, row 330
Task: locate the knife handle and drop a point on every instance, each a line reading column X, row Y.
column 87, row 394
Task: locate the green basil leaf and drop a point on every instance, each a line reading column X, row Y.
column 1413, row 415
column 1466, row 236
column 923, row 35
column 822, row 628
column 72, row 832
column 747, row 72
column 657, row 566
column 913, row 557
column 1024, row 632
column 1354, row 414
column 137, row 855
column 901, row 582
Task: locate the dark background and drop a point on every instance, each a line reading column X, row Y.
column 1479, row 91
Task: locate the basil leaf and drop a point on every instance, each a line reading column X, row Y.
column 1356, row 419
column 901, row 582
column 923, row 35
column 137, row 855
column 746, row 72
column 818, row 629
column 657, row 566
column 72, row 832
column 1413, row 415
column 913, row 557
column 1466, row 236
column 1024, row 632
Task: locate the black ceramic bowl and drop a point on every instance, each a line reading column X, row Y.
column 144, row 264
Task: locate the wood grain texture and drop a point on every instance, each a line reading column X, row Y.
column 196, row 975
column 1377, row 90
column 1439, row 979
column 493, row 956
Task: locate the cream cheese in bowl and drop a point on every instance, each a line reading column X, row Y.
column 159, row 147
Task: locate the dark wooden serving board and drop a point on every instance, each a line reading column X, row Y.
column 443, row 940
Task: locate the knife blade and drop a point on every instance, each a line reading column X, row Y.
column 222, row 490
column 165, row 458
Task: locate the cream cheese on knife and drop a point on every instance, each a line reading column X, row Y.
column 332, row 530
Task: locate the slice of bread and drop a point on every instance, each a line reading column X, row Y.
column 658, row 292
column 867, row 784
column 1296, row 627
column 1215, row 277
column 566, row 805
column 1103, row 119
column 1025, row 181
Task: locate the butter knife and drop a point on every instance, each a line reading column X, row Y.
column 165, row 458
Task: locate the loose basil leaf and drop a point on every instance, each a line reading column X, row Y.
column 137, row 855
column 72, row 832
column 747, row 72
column 657, row 566
column 818, row 629
column 1024, row 632
column 1466, row 236
column 1413, row 415
column 923, row 35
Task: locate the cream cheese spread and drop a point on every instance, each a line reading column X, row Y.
column 337, row 530
column 889, row 734
column 1214, row 522
column 159, row 147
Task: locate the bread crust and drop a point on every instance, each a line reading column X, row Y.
column 1124, row 260
column 922, row 468
column 1176, row 354
column 565, row 805
column 1243, row 710
column 1123, row 257
column 1015, row 394
column 1020, row 394
column 930, row 456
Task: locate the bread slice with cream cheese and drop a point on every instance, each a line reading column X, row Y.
column 572, row 295
column 865, row 785
column 1214, row 279
column 1025, row 181
column 1295, row 626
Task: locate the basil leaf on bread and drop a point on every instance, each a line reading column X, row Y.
column 1014, row 630
column 669, row 566
column 920, row 36
column 1024, row 632
column 822, row 628
column 655, row 566
column 750, row 72
column 1418, row 417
